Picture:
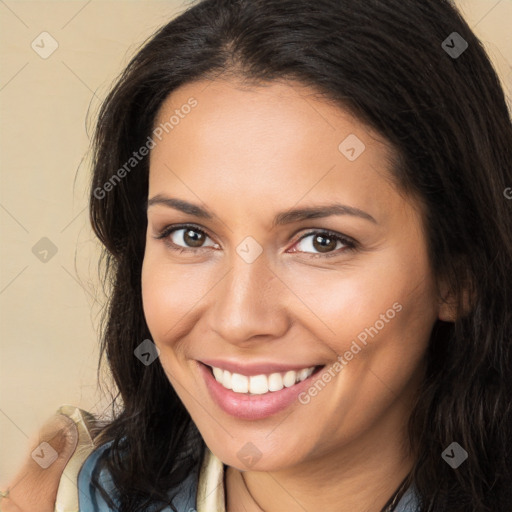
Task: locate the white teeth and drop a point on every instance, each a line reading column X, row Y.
column 226, row 379
column 260, row 384
column 275, row 382
column 289, row 379
column 303, row 374
column 218, row 373
column 239, row 383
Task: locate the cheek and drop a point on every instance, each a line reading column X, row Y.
column 164, row 292
column 157, row 299
column 169, row 293
column 351, row 301
column 388, row 309
column 168, row 296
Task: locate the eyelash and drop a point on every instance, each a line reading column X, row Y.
column 349, row 243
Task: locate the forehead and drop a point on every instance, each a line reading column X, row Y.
column 275, row 143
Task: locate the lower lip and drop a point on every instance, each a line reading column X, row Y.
column 252, row 407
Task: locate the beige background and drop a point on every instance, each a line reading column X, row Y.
column 49, row 310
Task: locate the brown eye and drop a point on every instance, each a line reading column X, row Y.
column 323, row 242
column 188, row 237
column 184, row 238
column 193, row 238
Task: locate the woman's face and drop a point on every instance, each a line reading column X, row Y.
column 298, row 255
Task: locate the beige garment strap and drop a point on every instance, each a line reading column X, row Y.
column 210, row 489
column 67, row 494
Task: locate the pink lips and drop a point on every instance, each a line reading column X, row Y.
column 246, row 406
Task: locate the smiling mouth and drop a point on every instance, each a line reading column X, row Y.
column 263, row 383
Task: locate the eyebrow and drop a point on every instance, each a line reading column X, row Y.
column 282, row 218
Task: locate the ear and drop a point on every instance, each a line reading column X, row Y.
column 448, row 303
column 447, row 311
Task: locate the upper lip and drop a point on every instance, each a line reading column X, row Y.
column 255, row 368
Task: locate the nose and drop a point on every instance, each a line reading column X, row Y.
column 249, row 303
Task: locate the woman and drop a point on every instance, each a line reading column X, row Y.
column 303, row 212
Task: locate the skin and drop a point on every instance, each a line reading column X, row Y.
column 246, row 154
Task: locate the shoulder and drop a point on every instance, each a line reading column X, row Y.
column 409, row 501
column 92, row 500
column 89, row 497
